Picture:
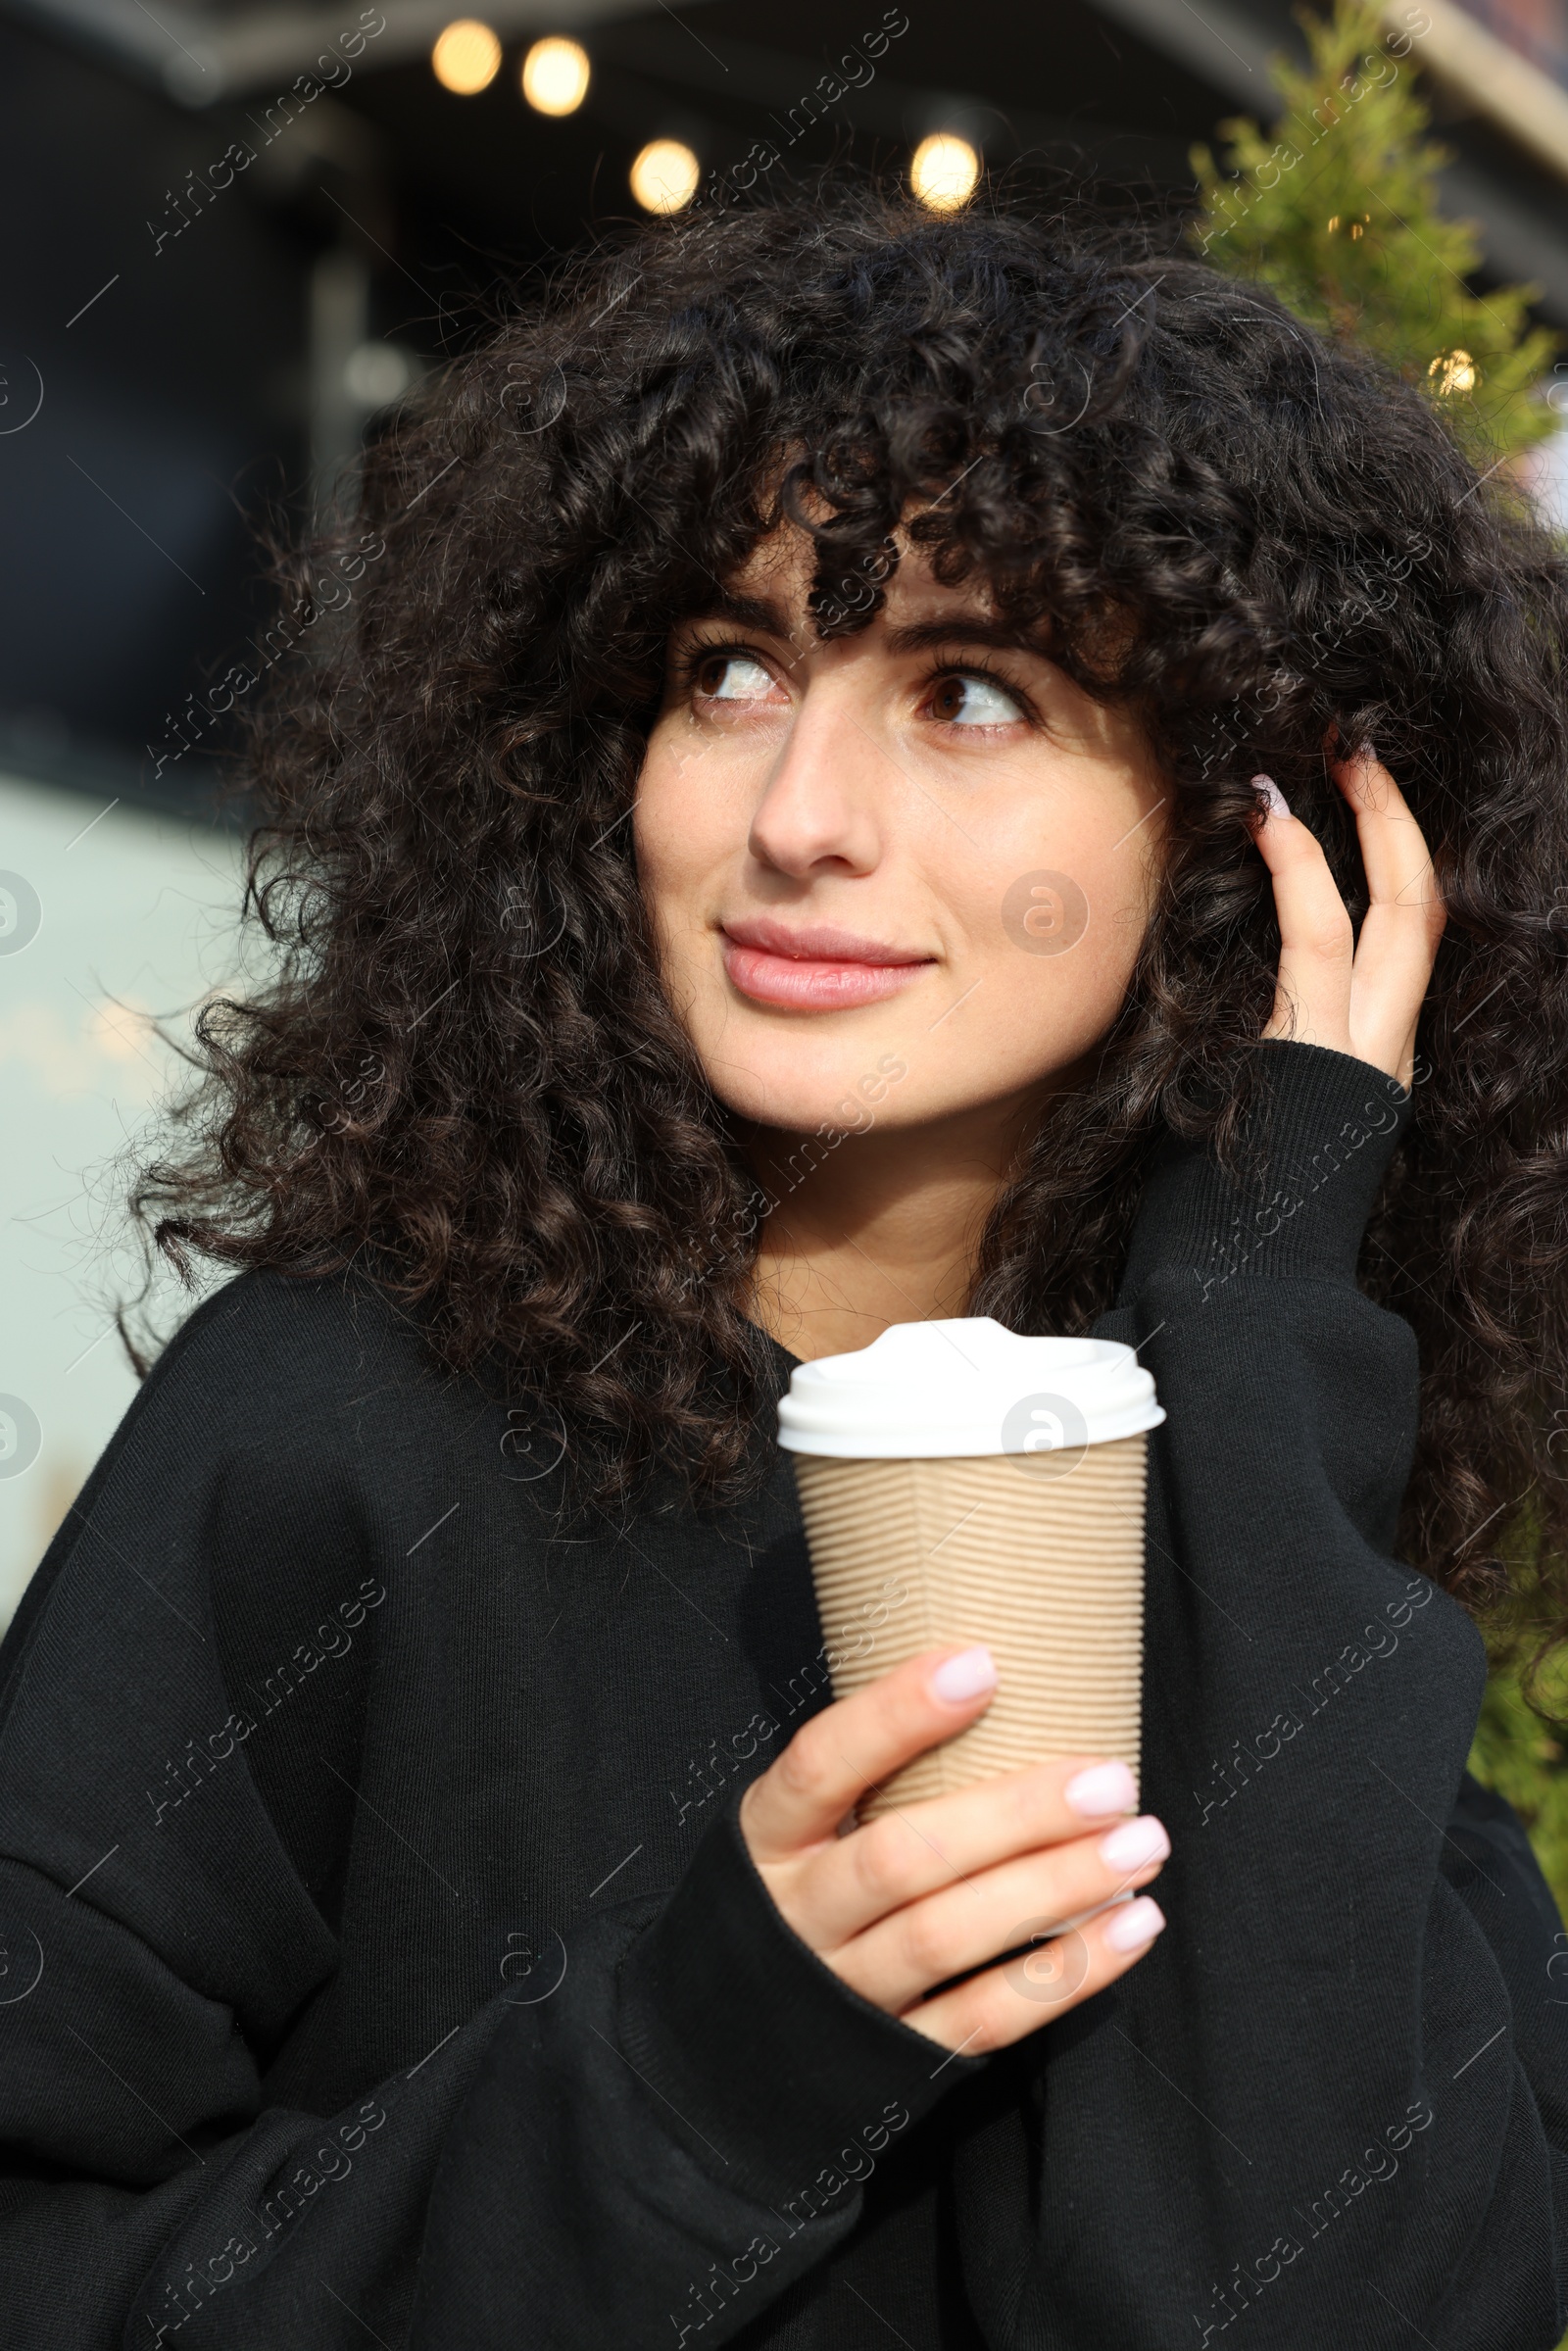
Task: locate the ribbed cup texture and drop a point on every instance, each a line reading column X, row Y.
column 1040, row 1558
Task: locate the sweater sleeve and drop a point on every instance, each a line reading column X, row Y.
column 653, row 2141
column 1332, row 2103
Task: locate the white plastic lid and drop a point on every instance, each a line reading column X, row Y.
column 928, row 1390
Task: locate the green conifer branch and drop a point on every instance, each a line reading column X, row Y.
column 1336, row 208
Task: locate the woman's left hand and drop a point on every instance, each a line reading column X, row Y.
column 1361, row 996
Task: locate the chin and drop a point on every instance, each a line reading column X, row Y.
column 864, row 1091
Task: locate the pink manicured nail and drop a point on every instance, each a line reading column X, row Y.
column 1134, row 1845
column 964, row 1677
column 1102, row 1789
column 1278, row 804
column 1134, row 1924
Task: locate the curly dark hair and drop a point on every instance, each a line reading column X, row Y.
column 465, row 1070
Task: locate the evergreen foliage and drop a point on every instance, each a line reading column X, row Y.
column 1336, row 208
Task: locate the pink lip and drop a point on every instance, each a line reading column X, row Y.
column 817, row 968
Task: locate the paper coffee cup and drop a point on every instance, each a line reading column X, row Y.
column 960, row 1483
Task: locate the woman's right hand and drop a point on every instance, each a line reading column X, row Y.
column 928, row 1893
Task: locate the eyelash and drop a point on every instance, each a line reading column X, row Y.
column 994, row 676
column 703, row 650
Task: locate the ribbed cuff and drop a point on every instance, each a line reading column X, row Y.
column 1318, row 1138
column 766, row 2057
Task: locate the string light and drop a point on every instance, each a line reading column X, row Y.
column 664, row 176
column 1354, row 227
column 466, row 57
column 1455, row 371
column 943, row 170
column 555, row 77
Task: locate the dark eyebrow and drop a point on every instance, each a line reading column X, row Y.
column 768, row 618
column 757, row 613
column 966, row 628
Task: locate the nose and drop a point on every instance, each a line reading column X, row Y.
column 820, row 809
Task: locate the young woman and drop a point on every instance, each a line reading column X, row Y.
column 866, row 767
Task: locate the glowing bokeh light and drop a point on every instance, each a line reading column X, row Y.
column 555, row 77
column 943, row 172
column 664, row 176
column 1455, row 371
column 466, row 57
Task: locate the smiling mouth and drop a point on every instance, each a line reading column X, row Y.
column 818, row 970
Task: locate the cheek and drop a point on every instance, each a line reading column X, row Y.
column 680, row 832
column 1083, row 921
column 1066, row 872
column 1054, row 945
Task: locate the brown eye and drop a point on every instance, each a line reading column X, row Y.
column 733, row 677
column 968, row 698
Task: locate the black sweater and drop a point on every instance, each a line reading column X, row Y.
column 382, row 1962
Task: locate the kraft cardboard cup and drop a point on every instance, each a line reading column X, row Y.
column 962, row 1484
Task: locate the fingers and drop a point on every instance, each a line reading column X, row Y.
column 1317, row 945
column 947, row 1841
column 937, row 1890
column 1403, row 922
column 855, row 1744
column 1394, row 850
column 897, row 1962
column 1363, row 996
column 1005, row 2003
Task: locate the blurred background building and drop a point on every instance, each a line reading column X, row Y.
column 241, row 228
